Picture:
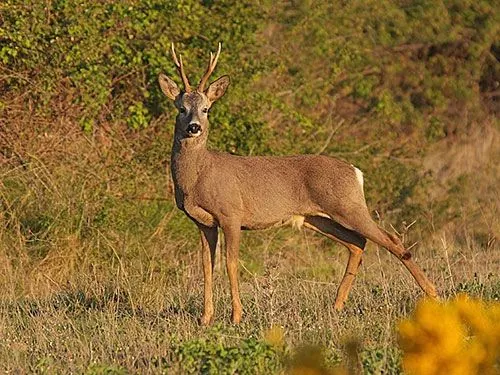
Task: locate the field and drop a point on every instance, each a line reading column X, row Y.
column 137, row 311
column 100, row 273
column 120, row 290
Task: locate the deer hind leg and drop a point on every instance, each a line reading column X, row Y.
column 208, row 246
column 362, row 222
column 351, row 270
column 351, row 240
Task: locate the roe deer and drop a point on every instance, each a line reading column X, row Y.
column 232, row 192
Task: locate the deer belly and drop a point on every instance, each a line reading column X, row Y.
column 264, row 223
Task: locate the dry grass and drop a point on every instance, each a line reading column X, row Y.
column 100, row 273
column 71, row 311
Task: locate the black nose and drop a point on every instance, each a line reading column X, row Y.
column 193, row 128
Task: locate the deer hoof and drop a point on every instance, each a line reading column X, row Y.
column 432, row 293
column 236, row 317
column 338, row 306
column 206, row 320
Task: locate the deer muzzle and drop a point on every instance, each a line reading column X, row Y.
column 194, row 129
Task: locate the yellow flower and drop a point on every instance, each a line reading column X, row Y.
column 275, row 336
column 457, row 337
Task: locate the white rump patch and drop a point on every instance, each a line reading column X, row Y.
column 297, row 221
column 359, row 176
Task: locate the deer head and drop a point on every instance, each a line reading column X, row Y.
column 193, row 105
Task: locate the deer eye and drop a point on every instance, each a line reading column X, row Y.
column 205, row 110
column 182, row 109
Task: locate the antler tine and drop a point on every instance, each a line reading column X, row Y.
column 217, row 55
column 211, row 67
column 174, row 56
column 180, row 68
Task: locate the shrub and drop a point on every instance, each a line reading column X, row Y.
column 461, row 336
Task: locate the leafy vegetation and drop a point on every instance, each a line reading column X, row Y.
column 464, row 340
column 99, row 271
column 417, row 73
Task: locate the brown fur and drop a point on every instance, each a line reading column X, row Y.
column 255, row 192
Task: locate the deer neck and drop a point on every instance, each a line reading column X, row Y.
column 189, row 157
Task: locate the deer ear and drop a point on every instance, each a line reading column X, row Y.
column 168, row 86
column 217, row 88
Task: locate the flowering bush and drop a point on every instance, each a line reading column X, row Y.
column 461, row 336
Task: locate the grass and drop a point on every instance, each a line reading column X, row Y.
column 112, row 305
column 101, row 274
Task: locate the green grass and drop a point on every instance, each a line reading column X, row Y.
column 112, row 304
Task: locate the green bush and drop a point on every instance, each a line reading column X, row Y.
column 250, row 356
column 374, row 82
column 103, row 58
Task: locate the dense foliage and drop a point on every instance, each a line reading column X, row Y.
column 99, row 61
column 406, row 90
column 374, row 82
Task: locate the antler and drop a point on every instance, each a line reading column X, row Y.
column 211, row 66
column 180, row 68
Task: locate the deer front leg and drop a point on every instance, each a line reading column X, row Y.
column 232, row 234
column 208, row 246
